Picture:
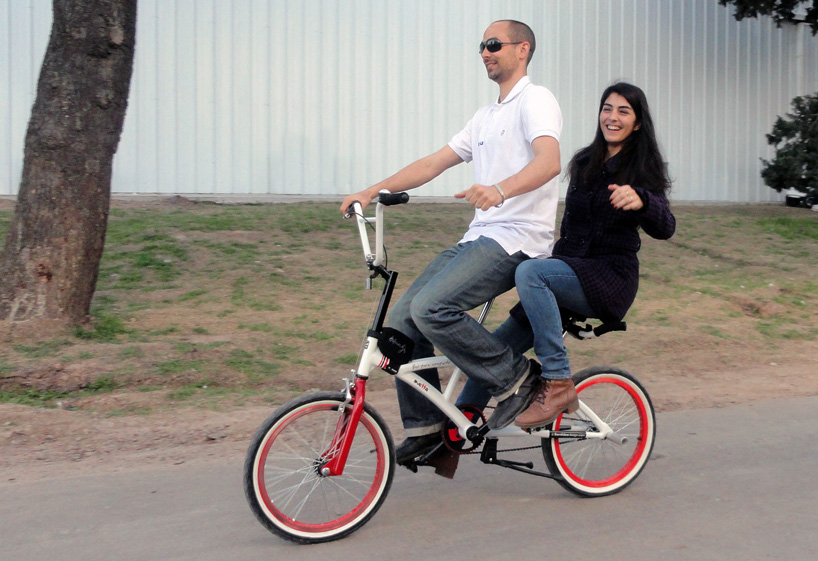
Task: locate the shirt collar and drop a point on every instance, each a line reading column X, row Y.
column 515, row 91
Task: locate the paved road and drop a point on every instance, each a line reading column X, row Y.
column 736, row 483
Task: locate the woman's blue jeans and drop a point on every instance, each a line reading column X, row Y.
column 544, row 285
column 433, row 313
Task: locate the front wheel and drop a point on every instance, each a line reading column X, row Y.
column 596, row 467
column 283, row 481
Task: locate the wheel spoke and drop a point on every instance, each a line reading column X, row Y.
column 315, row 484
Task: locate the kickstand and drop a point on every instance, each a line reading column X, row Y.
column 489, row 456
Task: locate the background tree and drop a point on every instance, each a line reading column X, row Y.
column 50, row 260
column 782, row 11
column 796, row 141
column 795, row 165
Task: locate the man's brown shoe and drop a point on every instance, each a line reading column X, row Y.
column 554, row 397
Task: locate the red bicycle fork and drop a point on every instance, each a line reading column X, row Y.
column 338, row 450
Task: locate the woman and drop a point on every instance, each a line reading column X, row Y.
column 618, row 185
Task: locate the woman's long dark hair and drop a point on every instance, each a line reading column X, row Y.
column 641, row 162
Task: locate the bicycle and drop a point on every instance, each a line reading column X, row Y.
column 321, row 465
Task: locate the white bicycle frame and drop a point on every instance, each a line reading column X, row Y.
column 372, row 359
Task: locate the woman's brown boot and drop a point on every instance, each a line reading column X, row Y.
column 554, row 397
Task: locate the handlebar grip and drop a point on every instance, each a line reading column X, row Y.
column 351, row 209
column 600, row 330
column 391, row 199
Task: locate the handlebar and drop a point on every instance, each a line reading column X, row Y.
column 385, row 198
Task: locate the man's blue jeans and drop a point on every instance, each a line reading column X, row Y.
column 433, row 313
column 544, row 285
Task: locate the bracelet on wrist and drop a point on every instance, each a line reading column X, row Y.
column 500, row 190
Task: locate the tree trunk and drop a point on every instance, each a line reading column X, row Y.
column 50, row 261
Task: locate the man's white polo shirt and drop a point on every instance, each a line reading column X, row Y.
column 498, row 140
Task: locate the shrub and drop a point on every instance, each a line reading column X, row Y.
column 795, row 165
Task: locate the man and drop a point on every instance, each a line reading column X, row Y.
column 514, row 144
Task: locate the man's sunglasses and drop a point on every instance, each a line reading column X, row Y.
column 493, row 45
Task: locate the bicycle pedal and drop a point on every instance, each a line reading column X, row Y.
column 411, row 466
column 423, row 460
column 443, row 460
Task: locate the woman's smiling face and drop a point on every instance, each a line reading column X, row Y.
column 617, row 121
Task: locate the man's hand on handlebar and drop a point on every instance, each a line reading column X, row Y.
column 364, row 197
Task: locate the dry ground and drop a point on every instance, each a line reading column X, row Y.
column 725, row 315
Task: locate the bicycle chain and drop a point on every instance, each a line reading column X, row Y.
column 498, row 451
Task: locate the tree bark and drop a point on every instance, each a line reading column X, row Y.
column 50, row 261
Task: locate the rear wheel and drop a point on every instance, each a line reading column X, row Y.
column 596, row 467
column 282, row 471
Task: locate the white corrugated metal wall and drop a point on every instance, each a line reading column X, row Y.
column 328, row 96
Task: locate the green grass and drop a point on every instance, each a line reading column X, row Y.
column 349, row 359
column 5, row 367
column 31, row 397
column 51, row 347
column 791, row 228
column 243, row 253
column 47, row 398
column 285, row 352
column 165, row 331
column 5, row 219
column 714, row 331
column 177, row 366
column 208, row 302
column 106, row 328
column 192, row 295
column 262, row 327
column 183, row 393
column 254, row 368
column 132, row 352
